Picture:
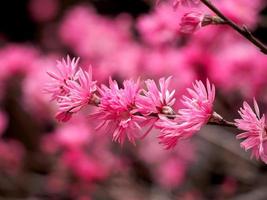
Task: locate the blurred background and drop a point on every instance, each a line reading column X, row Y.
column 43, row 159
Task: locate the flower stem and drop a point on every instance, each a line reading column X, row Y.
column 243, row 30
column 218, row 120
column 223, row 123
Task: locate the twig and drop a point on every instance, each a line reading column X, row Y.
column 240, row 29
column 218, row 120
column 223, row 123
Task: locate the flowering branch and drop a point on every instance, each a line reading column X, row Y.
column 243, row 30
column 126, row 111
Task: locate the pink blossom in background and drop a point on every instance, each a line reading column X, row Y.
column 159, row 27
column 171, row 173
column 80, row 30
column 198, row 110
column 74, row 134
column 17, row 59
column 255, row 131
column 83, row 166
column 191, row 22
column 117, row 108
column 11, row 156
column 82, row 27
column 239, row 72
column 170, row 62
column 43, row 10
column 131, row 54
column 169, row 168
column 237, row 10
column 34, row 100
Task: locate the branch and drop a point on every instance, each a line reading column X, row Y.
column 218, row 120
column 242, row 30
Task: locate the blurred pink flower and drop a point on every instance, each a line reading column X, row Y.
column 191, row 22
column 73, row 135
column 159, row 27
column 156, row 100
column 239, row 72
column 65, row 70
column 34, row 101
column 255, row 131
column 17, row 59
column 237, row 11
column 117, row 109
column 171, row 173
column 43, row 10
column 11, row 156
column 83, row 166
column 82, row 27
column 198, row 110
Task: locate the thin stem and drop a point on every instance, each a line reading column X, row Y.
column 218, row 120
column 240, row 29
column 223, row 123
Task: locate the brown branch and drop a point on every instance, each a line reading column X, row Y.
column 218, row 120
column 242, row 30
column 223, row 123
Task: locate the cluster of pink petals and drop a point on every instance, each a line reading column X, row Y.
column 117, row 110
column 255, row 131
column 71, row 87
column 65, row 70
column 80, row 92
column 197, row 112
column 155, row 100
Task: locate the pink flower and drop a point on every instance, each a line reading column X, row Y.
column 65, row 70
column 43, row 10
column 159, row 27
column 197, row 112
column 80, row 92
column 191, row 22
column 72, row 88
column 255, row 131
column 117, row 110
column 156, row 100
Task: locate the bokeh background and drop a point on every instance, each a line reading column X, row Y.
column 43, row 159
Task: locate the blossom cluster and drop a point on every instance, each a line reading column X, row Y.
column 125, row 111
